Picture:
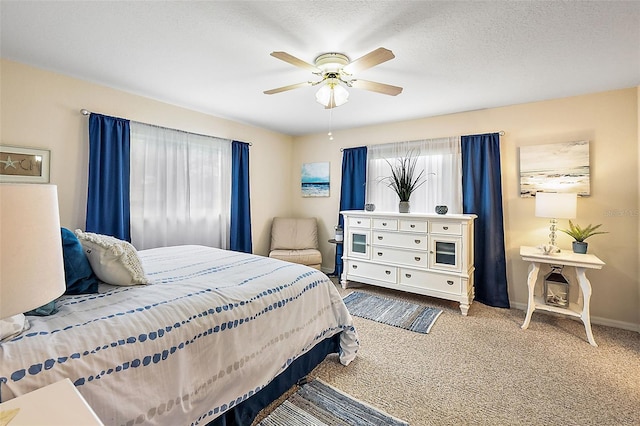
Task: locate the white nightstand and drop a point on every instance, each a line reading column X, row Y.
column 565, row 258
column 59, row 404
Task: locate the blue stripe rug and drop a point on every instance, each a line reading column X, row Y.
column 319, row 404
column 398, row 313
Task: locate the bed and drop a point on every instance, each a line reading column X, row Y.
column 214, row 337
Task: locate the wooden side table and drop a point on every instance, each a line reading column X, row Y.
column 581, row 262
column 59, row 404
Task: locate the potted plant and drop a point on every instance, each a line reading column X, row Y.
column 403, row 179
column 580, row 234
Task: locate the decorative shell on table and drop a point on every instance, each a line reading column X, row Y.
column 548, row 249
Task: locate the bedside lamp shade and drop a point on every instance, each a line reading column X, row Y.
column 555, row 206
column 31, row 262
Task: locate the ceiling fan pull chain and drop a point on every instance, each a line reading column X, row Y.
column 330, row 134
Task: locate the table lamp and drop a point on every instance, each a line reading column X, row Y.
column 31, row 260
column 555, row 205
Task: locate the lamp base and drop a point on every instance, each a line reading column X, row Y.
column 552, row 231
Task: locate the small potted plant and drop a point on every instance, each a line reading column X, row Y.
column 403, row 179
column 580, row 234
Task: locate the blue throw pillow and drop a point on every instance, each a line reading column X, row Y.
column 77, row 270
column 44, row 310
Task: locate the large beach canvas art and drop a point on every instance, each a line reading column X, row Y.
column 558, row 167
column 315, row 180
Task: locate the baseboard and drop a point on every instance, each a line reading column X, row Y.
column 594, row 320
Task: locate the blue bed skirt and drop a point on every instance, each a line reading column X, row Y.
column 244, row 413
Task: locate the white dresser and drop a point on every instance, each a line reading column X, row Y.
column 427, row 254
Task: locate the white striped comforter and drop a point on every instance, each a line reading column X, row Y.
column 214, row 327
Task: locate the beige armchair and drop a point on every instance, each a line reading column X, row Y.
column 296, row 240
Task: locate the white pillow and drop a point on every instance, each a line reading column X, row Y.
column 113, row 261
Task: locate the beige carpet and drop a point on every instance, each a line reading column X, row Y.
column 484, row 370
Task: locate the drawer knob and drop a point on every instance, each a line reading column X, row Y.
column 358, row 222
column 413, row 226
column 354, row 266
column 449, row 282
column 407, row 275
column 380, row 237
column 388, row 272
column 379, row 253
column 384, row 223
column 417, row 241
column 417, row 258
column 445, row 227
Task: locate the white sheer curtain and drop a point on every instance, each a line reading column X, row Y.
column 441, row 160
column 180, row 188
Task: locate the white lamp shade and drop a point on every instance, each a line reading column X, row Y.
column 340, row 95
column 332, row 95
column 556, row 205
column 323, row 96
column 31, row 261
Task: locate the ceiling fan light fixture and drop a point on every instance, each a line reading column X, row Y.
column 332, row 95
column 331, row 62
column 335, row 71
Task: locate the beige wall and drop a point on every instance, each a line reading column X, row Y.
column 42, row 109
column 608, row 120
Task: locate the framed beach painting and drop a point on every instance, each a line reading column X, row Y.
column 558, row 167
column 315, row 180
column 25, row 165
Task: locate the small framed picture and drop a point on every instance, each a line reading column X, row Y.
column 315, row 179
column 25, row 165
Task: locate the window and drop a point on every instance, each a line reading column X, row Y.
column 180, row 188
column 441, row 160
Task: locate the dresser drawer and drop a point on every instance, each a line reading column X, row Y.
column 448, row 228
column 413, row 225
column 415, row 259
column 373, row 271
column 360, row 222
column 390, row 224
column 444, row 283
column 401, row 240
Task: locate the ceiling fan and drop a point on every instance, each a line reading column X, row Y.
column 336, row 70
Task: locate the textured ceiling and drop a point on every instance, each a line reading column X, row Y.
column 213, row 56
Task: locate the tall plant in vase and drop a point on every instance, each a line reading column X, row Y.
column 403, row 179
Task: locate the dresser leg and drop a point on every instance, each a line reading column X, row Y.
column 344, row 282
column 464, row 308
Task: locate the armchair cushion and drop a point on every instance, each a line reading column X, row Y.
column 294, row 233
column 309, row 257
column 296, row 240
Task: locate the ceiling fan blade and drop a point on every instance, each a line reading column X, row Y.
column 369, row 60
column 372, row 86
column 284, row 56
column 285, row 88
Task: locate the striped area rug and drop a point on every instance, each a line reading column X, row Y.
column 319, row 404
column 398, row 313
